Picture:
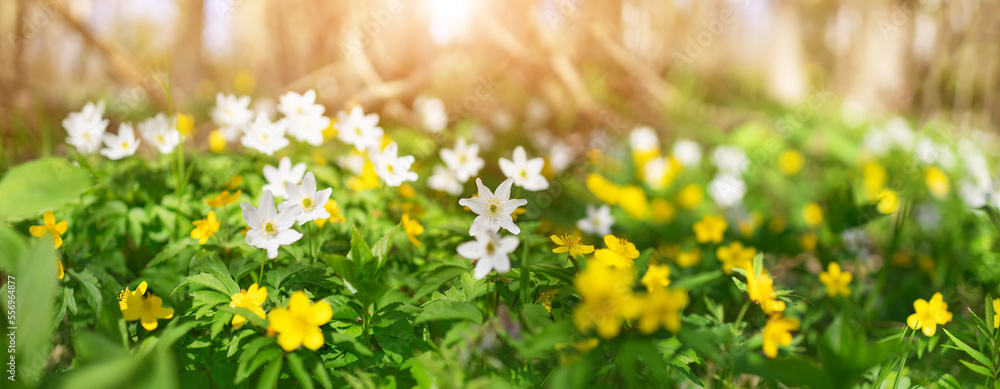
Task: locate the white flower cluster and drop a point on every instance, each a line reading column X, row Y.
column 494, row 209
column 271, row 227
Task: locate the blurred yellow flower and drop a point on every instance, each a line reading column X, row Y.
column 812, row 214
column 735, row 257
column 413, row 229
column 367, row 180
column 603, row 189
column 710, row 229
column 633, row 201
column 234, row 182
column 223, row 198
column 888, row 202
column 334, row 211
column 790, row 162
column 60, row 271
column 50, row 226
column 605, row 294
column 657, row 277
column 929, row 314
column 689, row 258
column 205, row 228
column 777, row 225
column 251, row 298
column 147, row 309
column 690, row 196
column 660, row 308
column 620, row 253
column 937, row 182
column 663, row 212
column 836, row 281
column 330, row 132
column 874, row 178
column 777, row 331
column 570, row 244
column 185, row 124
column 545, row 298
column 216, row 141
column 318, row 158
column 244, row 81
column 761, row 291
column 996, row 313
column 406, row 191
column 808, row 241
column 299, row 323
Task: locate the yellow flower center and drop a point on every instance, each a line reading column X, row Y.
column 124, row 145
column 161, row 139
column 308, row 204
column 270, row 229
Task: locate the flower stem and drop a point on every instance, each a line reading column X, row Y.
column 312, row 252
column 260, row 279
column 525, row 271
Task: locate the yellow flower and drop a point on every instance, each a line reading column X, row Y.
column 605, row 294
column 836, row 281
column 545, row 298
column 902, row 259
column 663, row 212
column 761, row 291
column 603, row 189
column 147, row 309
column 298, row 325
column 570, row 244
column 620, row 253
column 812, row 214
column 661, row 308
column 216, row 141
column 185, row 124
column 367, row 180
column 244, row 82
column 929, row 315
column 334, row 211
column 710, row 229
column 874, row 178
column 735, row 256
column 413, row 229
column 205, row 228
column 252, row 299
column 888, row 202
column 330, row 131
column 318, row 158
column 808, row 241
column 59, row 269
column 937, row 182
column 234, row 182
column 790, row 162
column 996, row 313
column 778, row 331
column 777, row 225
column 406, row 191
column 223, row 198
column 690, row 196
column 689, row 258
column 50, row 226
column 657, row 277
column 749, row 226
column 633, row 201
column 641, row 158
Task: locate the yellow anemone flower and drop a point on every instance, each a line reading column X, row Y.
column 135, row 305
column 205, row 228
column 299, row 324
column 735, row 256
column 620, row 253
column 570, row 244
column 251, row 298
column 413, row 229
column 778, row 331
column 836, row 280
column 929, row 314
column 50, row 226
column 710, row 229
column 657, row 277
column 223, row 198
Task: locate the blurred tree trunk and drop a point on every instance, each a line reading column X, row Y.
column 186, row 59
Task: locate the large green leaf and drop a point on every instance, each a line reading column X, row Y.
column 40, row 185
column 35, row 289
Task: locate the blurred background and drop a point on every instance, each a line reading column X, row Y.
column 563, row 65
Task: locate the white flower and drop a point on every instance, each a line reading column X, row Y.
column 494, row 210
column 526, row 173
column 86, row 128
column 305, row 118
column 270, row 229
column 687, row 152
column 431, row 113
column 354, row 161
column 928, row 217
column 490, row 252
column 560, row 156
column 598, row 221
column 727, row 190
column 391, row 168
column 232, row 114
column 656, row 172
column 265, row 136
column 160, row 132
column 306, row 200
column 929, row 153
column 730, row 159
column 463, row 160
column 284, row 174
column 974, row 194
column 122, row 145
column 360, row 130
column 877, row 142
column 444, row 180
column 643, row 139
column 900, row 133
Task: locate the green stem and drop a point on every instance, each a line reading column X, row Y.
column 525, row 271
column 310, row 243
column 260, row 279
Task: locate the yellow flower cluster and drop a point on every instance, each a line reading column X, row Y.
column 631, row 198
column 147, row 309
column 735, row 256
column 777, row 331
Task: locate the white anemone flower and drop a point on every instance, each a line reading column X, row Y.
column 306, row 200
column 493, row 209
column 270, row 229
column 444, row 180
column 643, row 140
column 431, row 113
column 265, row 136
column 232, row 114
column 730, row 159
column 86, row 128
column 463, row 159
column 687, row 152
column 305, row 118
column 490, row 252
column 285, row 173
column 527, row 173
column 359, row 130
column 598, row 221
column 727, row 190
column 390, row 167
column 159, row 131
column 122, row 145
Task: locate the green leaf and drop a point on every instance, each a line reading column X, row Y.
column 251, row 317
column 13, row 246
column 35, row 288
column 758, row 263
column 137, row 218
column 975, row 354
column 990, row 316
column 358, row 348
column 40, row 185
column 740, row 284
column 91, row 291
column 113, row 373
column 69, row 300
column 360, row 253
column 321, row 375
column 450, row 310
column 696, row 281
column 299, row 370
column 977, row 368
column 208, row 281
column 269, row 377
column 170, row 251
column 381, row 248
